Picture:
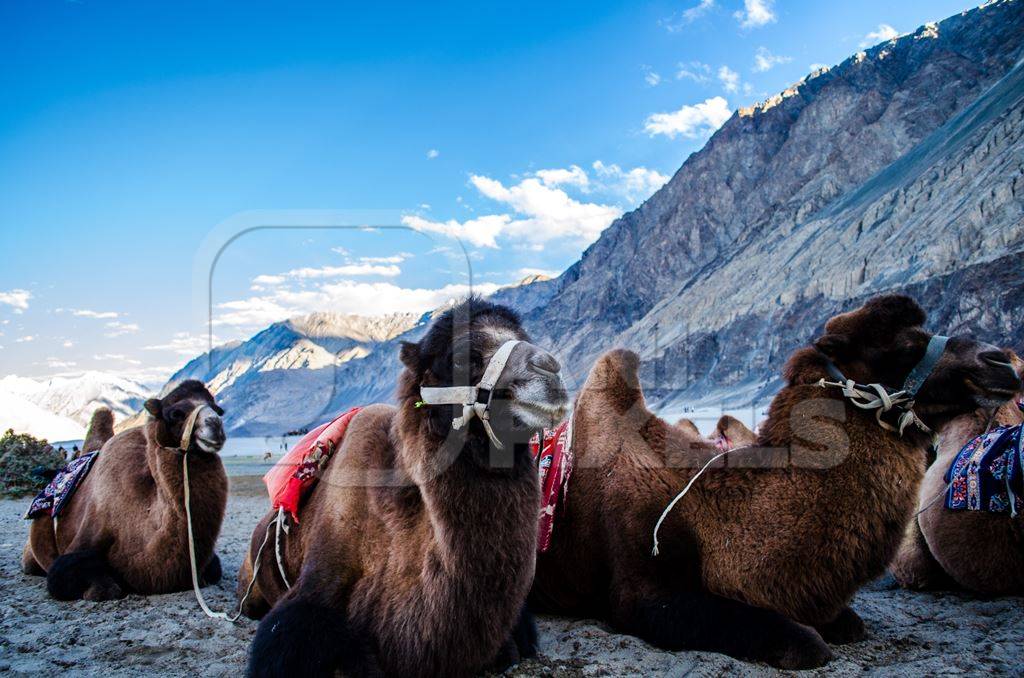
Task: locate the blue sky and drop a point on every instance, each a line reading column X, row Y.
column 132, row 131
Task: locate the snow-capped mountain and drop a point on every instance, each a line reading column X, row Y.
column 59, row 408
column 286, row 375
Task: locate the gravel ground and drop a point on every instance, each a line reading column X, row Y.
column 910, row 633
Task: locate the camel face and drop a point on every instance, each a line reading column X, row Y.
column 528, row 395
column 883, row 341
column 173, row 411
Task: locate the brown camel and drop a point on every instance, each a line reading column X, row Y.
column 761, row 559
column 101, row 429
column 415, row 549
column 975, row 550
column 124, row 529
column 687, row 425
column 731, row 433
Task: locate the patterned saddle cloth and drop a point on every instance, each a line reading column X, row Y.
column 986, row 474
column 554, row 465
column 58, row 492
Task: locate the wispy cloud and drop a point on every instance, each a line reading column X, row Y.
column 17, row 299
column 58, row 364
column 678, row 22
column 651, row 77
column 883, row 33
column 764, row 60
column 729, row 78
column 693, row 70
column 693, row 121
column 118, row 329
column 755, row 13
column 25, row 339
column 120, row 357
column 635, row 184
column 433, row 153
column 185, row 343
column 89, row 313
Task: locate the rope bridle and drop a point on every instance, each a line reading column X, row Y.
column 475, row 400
column 877, row 397
column 881, row 400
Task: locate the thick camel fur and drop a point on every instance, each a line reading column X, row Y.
column 762, row 557
column 124, row 529
column 975, row 550
column 415, row 549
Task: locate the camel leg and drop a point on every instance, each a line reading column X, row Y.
column 254, row 606
column 699, row 620
column 914, row 566
column 83, row 574
column 521, row 644
column 847, row 627
column 301, row 636
column 212, row 573
column 29, row 565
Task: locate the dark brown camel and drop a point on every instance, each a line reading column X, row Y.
column 731, row 433
column 976, row 550
column 761, row 559
column 415, row 549
column 124, row 529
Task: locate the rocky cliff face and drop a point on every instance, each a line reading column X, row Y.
column 900, row 169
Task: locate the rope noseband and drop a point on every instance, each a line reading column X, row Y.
column 877, row 397
column 475, row 400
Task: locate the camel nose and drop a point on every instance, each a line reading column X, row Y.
column 996, row 358
column 544, row 362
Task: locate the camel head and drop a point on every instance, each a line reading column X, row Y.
column 456, row 350
column 884, row 341
column 171, row 416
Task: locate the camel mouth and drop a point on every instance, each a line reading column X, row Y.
column 547, row 414
column 209, row 446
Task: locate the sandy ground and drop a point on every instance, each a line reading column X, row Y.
column 910, row 633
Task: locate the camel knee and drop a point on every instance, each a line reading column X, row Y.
column 29, row 564
column 212, row 572
column 303, row 638
column 82, row 574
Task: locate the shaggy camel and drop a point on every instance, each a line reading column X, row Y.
column 976, row 550
column 761, row 558
column 425, row 573
column 124, row 528
column 731, row 433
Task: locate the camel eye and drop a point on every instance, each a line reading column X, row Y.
column 175, row 416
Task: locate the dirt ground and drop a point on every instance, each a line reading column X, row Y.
column 910, row 633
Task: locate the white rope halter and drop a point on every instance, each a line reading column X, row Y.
column 475, row 400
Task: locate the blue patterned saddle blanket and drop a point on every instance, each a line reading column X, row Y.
column 58, row 492
column 986, row 474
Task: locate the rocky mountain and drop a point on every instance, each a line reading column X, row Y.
column 900, row 169
column 288, row 374
column 59, row 408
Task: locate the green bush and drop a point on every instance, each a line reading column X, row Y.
column 22, row 459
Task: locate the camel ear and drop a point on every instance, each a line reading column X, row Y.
column 154, row 407
column 410, row 354
column 835, row 346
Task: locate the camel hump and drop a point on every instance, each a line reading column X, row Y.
column 615, row 379
column 734, row 430
column 688, row 426
column 101, row 429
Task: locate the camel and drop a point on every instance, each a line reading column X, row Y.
column 101, row 429
column 976, row 550
column 124, row 529
column 731, row 433
column 425, row 573
column 687, row 425
column 761, row 559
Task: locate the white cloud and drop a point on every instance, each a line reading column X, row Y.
column 18, row 299
column 25, row 339
column 367, row 267
column 574, row 176
column 755, row 13
column 691, row 122
column 118, row 329
column 636, row 184
column 392, row 259
column 57, row 363
column 86, row 313
column 340, row 250
column 765, row 60
column 694, row 70
column 687, row 16
column 185, row 343
column 729, row 78
column 816, row 67
column 433, row 153
column 884, row 33
column 103, row 357
column 68, row 343
column 343, row 297
column 480, row 232
column 651, row 77
column 527, row 272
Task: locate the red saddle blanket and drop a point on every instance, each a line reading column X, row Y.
column 289, row 480
column 554, row 465
column 296, row 473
